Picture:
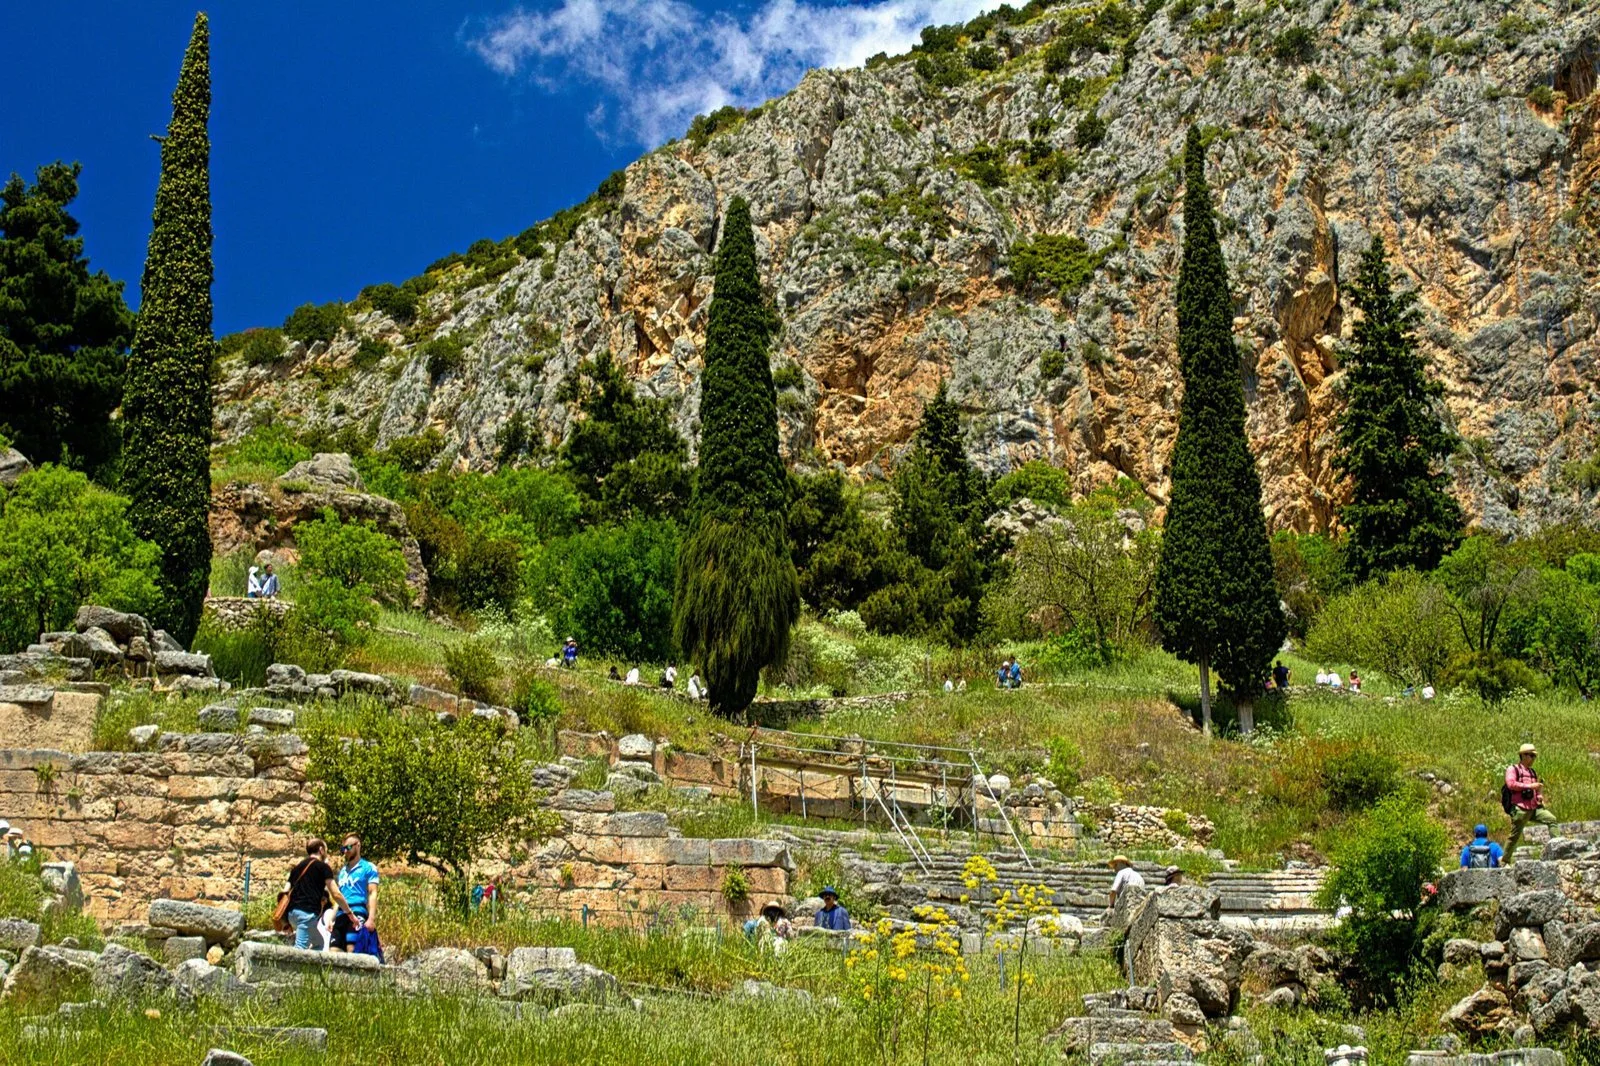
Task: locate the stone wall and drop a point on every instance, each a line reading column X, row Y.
column 188, row 819
column 58, row 715
column 238, row 612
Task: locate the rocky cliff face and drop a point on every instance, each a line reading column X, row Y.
column 889, row 212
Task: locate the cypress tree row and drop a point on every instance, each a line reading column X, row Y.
column 737, row 593
column 1216, row 601
column 167, row 393
column 1392, row 443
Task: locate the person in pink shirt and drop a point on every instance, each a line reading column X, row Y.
column 1523, row 797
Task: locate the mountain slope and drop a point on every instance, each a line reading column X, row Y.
column 899, row 213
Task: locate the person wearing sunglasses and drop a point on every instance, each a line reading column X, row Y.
column 358, row 882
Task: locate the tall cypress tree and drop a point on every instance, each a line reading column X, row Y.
column 63, row 330
column 167, row 394
column 1392, row 442
column 737, row 592
column 1216, row 601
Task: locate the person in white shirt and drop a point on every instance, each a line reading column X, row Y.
column 1322, row 677
column 252, row 588
column 949, row 686
column 633, row 676
column 671, row 674
column 694, row 686
column 1333, row 681
column 1427, row 692
column 1126, row 877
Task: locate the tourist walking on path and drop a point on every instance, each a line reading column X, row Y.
column 1482, row 853
column 832, row 916
column 252, row 585
column 310, row 880
column 1280, row 676
column 358, row 881
column 569, row 653
column 1523, row 797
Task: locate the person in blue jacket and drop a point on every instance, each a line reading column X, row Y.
column 832, row 916
column 1482, row 853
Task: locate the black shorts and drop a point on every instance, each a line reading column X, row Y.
column 342, row 929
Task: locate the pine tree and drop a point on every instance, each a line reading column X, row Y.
column 1216, row 601
column 737, row 592
column 1392, row 442
column 167, row 396
column 63, row 331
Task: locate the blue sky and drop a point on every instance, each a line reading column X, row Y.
column 356, row 142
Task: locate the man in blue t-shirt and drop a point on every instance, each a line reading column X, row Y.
column 358, row 883
column 1482, row 853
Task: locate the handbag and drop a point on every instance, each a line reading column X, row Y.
column 280, row 913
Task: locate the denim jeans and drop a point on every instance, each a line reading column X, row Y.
column 302, row 922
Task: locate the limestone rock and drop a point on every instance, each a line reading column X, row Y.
column 326, row 468
column 450, row 969
column 13, row 464
column 635, row 746
column 199, row 979
column 120, row 626
column 1479, row 1014
column 255, row 963
column 94, row 644
column 125, row 973
column 218, row 925
column 183, row 663
column 218, row 718
column 1461, row 952
column 48, row 974
column 219, row 1057
column 362, row 683
column 18, row 934
column 143, row 737
column 180, row 949
column 1533, row 908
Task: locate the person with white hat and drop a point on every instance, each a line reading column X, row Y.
column 1126, row 877
column 1522, row 797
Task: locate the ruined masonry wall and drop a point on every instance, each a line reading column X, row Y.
column 186, row 820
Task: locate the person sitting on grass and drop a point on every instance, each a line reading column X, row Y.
column 1002, row 675
column 772, row 928
column 832, row 915
column 1014, row 678
column 633, row 675
column 1522, row 797
column 1482, row 853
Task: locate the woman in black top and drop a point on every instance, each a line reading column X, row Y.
column 310, row 882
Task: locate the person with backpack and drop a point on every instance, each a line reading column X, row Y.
column 1482, row 853
column 1522, row 797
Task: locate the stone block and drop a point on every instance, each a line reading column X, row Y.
column 751, row 853
column 183, row 663
column 579, row 799
column 1569, row 944
column 256, row 963
column 356, row 681
column 271, row 717
column 121, row 972
column 636, row 746
column 178, row 949
column 432, row 699
column 216, row 924
column 120, row 626
column 1533, row 908
column 634, row 824
column 687, row 851
column 17, row 934
column 1462, row 890
column 48, row 974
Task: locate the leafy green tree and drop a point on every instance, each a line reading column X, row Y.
column 737, row 593
column 1401, row 624
column 312, row 322
column 355, row 555
column 1379, row 869
column 167, row 395
column 1035, row 480
column 623, row 453
column 1309, row 568
column 1486, row 579
column 1392, row 441
column 842, row 555
column 1090, row 573
column 63, row 543
column 427, row 793
column 616, row 589
column 1558, row 633
column 1216, row 602
column 63, row 330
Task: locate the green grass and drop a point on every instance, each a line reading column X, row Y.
column 22, row 895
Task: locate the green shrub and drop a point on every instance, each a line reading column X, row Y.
column 473, row 669
column 984, row 57
column 1065, row 768
column 985, row 165
column 1542, row 96
column 1412, row 81
column 1491, row 676
column 257, row 347
column 1380, row 865
column 1063, row 263
column 399, row 302
column 705, row 127
column 444, row 355
column 1297, row 44
column 788, row 375
column 1037, row 480
column 65, row 542
column 353, row 555
column 338, row 617
column 1402, row 625
column 616, row 588
column 369, row 353
column 273, row 445
column 1091, row 130
column 735, row 886
column 488, row 573
column 310, row 323
column 1051, row 364
column 1359, row 778
column 535, row 699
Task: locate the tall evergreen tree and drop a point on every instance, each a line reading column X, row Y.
column 63, row 330
column 167, row 397
column 1216, row 601
column 737, row 593
column 623, row 453
column 1392, row 442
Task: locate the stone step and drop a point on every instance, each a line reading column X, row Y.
column 1079, row 1033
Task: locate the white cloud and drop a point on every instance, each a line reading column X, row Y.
column 657, row 63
